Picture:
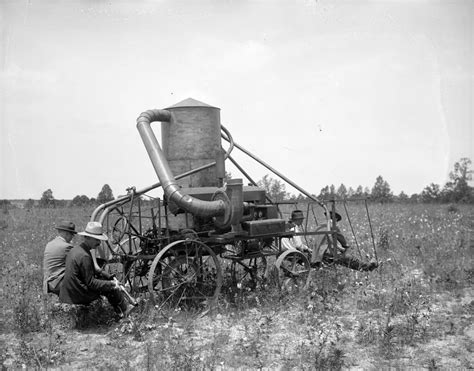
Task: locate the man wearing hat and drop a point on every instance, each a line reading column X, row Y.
column 54, row 258
column 339, row 236
column 80, row 284
column 296, row 225
column 322, row 254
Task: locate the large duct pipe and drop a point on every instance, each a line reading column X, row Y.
column 170, row 186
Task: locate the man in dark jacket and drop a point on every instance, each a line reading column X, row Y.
column 80, row 284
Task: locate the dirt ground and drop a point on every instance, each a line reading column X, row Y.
column 262, row 337
column 415, row 312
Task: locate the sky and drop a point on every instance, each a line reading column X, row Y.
column 326, row 92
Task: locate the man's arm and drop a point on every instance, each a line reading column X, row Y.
column 287, row 243
column 91, row 282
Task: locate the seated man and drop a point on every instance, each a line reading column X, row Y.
column 322, row 254
column 80, row 284
column 295, row 242
column 54, row 259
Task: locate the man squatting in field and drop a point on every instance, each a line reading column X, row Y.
column 54, row 259
column 80, row 285
column 320, row 252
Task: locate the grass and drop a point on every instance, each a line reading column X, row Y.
column 413, row 312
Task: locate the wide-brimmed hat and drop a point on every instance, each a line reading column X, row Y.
column 66, row 226
column 297, row 214
column 338, row 216
column 94, row 230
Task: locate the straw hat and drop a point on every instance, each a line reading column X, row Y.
column 94, row 230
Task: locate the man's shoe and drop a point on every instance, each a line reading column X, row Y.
column 127, row 311
column 124, row 313
column 373, row 265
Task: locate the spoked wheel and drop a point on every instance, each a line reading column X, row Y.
column 136, row 275
column 128, row 267
column 119, row 228
column 122, row 228
column 293, row 270
column 249, row 274
column 186, row 274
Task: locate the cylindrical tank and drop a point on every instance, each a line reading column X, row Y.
column 191, row 139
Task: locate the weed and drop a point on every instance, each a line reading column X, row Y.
column 383, row 240
column 27, row 316
column 452, row 209
column 391, row 313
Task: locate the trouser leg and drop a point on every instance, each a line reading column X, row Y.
column 117, row 300
column 352, row 263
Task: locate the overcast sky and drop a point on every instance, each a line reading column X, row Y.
column 327, row 92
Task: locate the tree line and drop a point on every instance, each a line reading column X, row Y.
column 47, row 200
column 456, row 190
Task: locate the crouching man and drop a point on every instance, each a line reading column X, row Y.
column 322, row 253
column 80, row 284
column 54, row 259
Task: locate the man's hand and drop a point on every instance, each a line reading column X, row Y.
column 116, row 283
column 119, row 286
column 106, row 275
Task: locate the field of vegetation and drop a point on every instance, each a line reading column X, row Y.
column 415, row 311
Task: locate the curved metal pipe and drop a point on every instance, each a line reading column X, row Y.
column 170, row 186
column 105, row 207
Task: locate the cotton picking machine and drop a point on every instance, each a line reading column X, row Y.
column 205, row 230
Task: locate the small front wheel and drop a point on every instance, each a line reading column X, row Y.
column 293, row 269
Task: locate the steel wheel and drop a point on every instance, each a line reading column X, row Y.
column 119, row 229
column 136, row 275
column 122, row 227
column 293, row 269
column 250, row 274
column 185, row 274
column 128, row 267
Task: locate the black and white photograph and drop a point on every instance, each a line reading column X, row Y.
column 236, row 184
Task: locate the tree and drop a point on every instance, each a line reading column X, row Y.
column 105, row 195
column 47, row 199
column 29, row 204
column 403, row 197
column 457, row 188
column 274, row 188
column 431, row 193
column 359, row 192
column 80, row 201
column 298, row 198
column 350, row 192
column 462, row 170
column 342, row 191
column 324, row 193
column 381, row 191
column 366, row 192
